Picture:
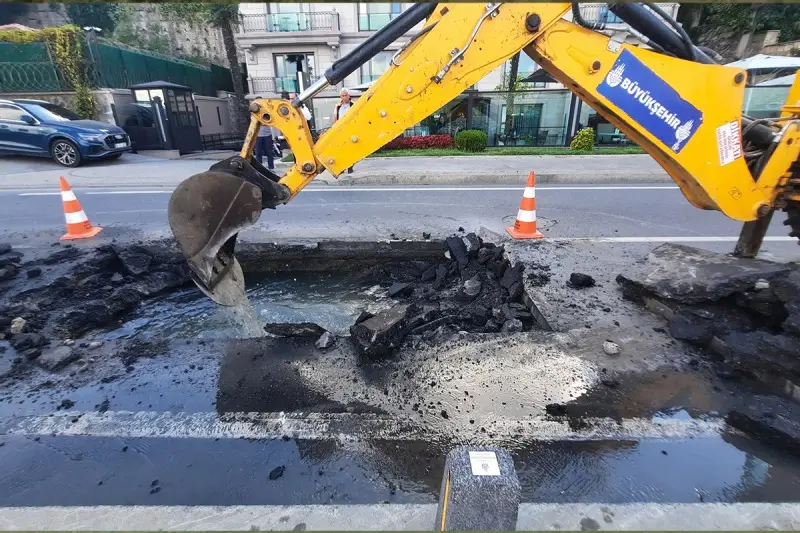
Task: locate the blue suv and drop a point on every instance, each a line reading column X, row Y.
column 34, row 127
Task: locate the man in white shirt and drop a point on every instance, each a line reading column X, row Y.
column 341, row 108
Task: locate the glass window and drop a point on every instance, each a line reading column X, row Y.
column 286, row 68
column 375, row 67
column 10, row 112
column 157, row 93
column 372, row 17
column 51, row 113
column 142, row 95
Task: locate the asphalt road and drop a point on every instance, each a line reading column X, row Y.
column 642, row 213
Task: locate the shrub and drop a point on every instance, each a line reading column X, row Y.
column 472, row 140
column 420, row 141
column 583, row 140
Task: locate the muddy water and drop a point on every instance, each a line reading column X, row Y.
column 330, row 300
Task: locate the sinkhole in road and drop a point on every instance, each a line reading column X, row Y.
column 331, row 299
column 430, row 289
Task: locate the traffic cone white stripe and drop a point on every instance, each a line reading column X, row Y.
column 76, row 218
column 68, row 196
column 526, row 216
column 530, row 192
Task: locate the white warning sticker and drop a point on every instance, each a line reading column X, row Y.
column 729, row 142
column 484, row 464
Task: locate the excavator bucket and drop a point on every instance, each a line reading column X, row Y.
column 206, row 213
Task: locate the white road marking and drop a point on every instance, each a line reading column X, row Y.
column 662, row 239
column 399, row 517
column 343, row 427
column 378, row 189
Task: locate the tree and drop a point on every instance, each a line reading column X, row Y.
column 513, row 70
column 722, row 25
column 225, row 17
column 96, row 14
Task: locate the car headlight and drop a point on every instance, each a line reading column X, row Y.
column 91, row 137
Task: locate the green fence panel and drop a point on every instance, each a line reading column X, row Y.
column 109, row 67
column 24, row 53
column 26, row 67
column 222, row 80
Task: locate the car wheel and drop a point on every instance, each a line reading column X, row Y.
column 65, row 153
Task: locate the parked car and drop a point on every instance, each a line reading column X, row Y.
column 34, row 127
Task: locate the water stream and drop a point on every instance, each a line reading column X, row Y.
column 332, row 300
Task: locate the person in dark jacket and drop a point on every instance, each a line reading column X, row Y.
column 264, row 145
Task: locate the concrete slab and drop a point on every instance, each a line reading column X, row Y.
column 692, row 275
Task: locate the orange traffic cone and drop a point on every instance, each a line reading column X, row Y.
column 525, row 226
column 78, row 225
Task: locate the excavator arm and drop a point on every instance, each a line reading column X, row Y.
column 673, row 101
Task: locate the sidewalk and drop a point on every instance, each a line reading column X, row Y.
column 138, row 171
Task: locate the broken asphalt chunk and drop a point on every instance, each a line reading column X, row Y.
column 302, row 329
column 771, row 420
column 579, row 280
column 380, row 335
column 458, row 252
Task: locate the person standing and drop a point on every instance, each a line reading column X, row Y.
column 344, row 105
column 264, row 146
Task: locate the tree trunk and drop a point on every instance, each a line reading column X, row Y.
column 512, row 83
column 242, row 119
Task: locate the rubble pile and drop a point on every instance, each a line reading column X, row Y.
column 473, row 288
column 78, row 292
column 745, row 312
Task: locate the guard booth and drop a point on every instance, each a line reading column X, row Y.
column 162, row 117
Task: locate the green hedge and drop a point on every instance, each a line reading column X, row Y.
column 471, row 140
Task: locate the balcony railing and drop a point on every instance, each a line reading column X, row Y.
column 289, row 22
column 601, row 13
column 375, row 21
column 262, row 85
column 276, row 85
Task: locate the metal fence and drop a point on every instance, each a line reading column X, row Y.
column 28, row 67
column 117, row 66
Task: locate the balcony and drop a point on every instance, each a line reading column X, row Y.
column 601, row 13
column 266, row 86
column 375, row 21
column 289, row 22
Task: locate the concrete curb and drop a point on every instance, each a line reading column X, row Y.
column 436, row 178
column 403, row 517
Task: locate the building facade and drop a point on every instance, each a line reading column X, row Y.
column 280, row 39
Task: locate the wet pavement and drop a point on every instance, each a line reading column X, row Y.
column 177, row 355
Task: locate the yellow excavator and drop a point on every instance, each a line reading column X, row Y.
column 672, row 99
